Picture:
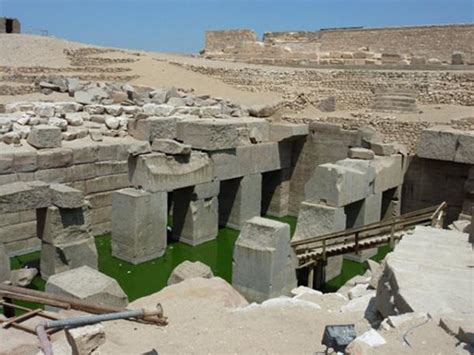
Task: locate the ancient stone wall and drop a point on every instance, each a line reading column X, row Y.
column 217, row 41
column 9, row 25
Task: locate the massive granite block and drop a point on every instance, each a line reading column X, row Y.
column 338, row 185
column 239, row 200
column 66, row 197
column 87, row 284
column 22, row 196
column 264, row 262
column 287, row 131
column 315, row 220
column 160, row 172
column 195, row 221
column 139, row 222
column 251, row 159
column 389, row 172
column 153, row 128
column 276, row 193
column 44, row 136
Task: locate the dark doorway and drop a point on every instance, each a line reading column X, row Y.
column 9, row 25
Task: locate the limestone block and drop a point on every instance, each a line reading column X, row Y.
column 389, row 172
column 62, row 257
column 17, row 232
column 438, row 143
column 84, row 340
column 383, row 149
column 66, row 197
column 276, row 192
column 88, row 284
column 83, row 151
column 4, row 264
column 169, row 146
column 153, row 128
column 160, row 172
column 102, row 168
column 17, row 159
column 213, row 134
column 194, row 221
column 361, row 153
column 188, row 270
column 139, row 222
column 338, row 185
column 113, row 149
column 332, row 267
column 107, row 183
column 44, row 136
column 137, row 148
column 465, row 148
column 315, row 220
column 21, row 196
column 54, row 158
column 240, row 200
column 264, row 262
column 287, row 131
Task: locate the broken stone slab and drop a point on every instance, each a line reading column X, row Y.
column 159, row 172
column 153, row 128
column 400, row 320
column 84, row 340
column 213, row 134
column 170, row 146
column 22, row 196
column 382, row 149
column 87, row 284
column 287, row 131
column 188, row 270
column 361, row 153
column 388, row 172
column 23, row 277
column 206, row 190
column 315, row 220
column 139, row 222
column 262, row 110
column 44, row 136
column 5, row 272
column 372, row 338
column 66, row 197
column 465, row 148
column 138, row 148
column 66, row 256
column 264, row 262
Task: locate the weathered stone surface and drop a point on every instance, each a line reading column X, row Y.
column 206, row 190
column 315, row 220
column 262, row 110
column 88, row 284
column 84, row 340
column 240, row 200
column 23, row 277
column 213, row 134
column 438, row 143
column 44, row 136
column 153, row 128
column 361, row 153
column 21, row 196
column 139, row 221
column 4, row 264
column 383, row 149
column 465, row 148
column 66, row 256
column 138, row 148
column 160, row 172
column 338, row 185
column 169, row 146
column 276, row 192
column 287, row 131
column 188, row 270
column 54, row 158
column 194, row 221
column 402, row 289
column 264, row 262
column 66, row 197
column 388, row 172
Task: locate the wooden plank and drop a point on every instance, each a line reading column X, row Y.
column 21, row 317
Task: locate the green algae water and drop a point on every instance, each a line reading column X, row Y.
column 150, row 277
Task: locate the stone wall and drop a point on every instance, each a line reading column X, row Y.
column 415, row 45
column 5, row 26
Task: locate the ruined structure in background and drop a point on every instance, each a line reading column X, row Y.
column 395, row 46
column 9, row 25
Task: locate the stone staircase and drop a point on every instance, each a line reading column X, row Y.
column 400, row 101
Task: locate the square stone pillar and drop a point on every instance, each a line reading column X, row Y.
column 139, row 222
column 276, row 193
column 239, row 200
column 195, row 213
column 264, row 262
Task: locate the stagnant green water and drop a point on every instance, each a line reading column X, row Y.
column 141, row 280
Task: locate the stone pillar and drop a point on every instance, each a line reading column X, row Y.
column 264, row 262
column 276, row 193
column 4, row 264
column 139, row 222
column 239, row 200
column 195, row 213
column 66, row 241
column 370, row 212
